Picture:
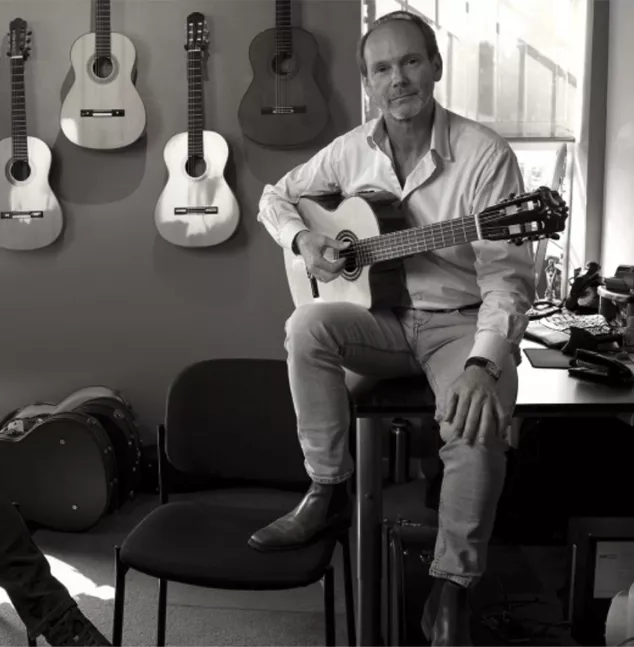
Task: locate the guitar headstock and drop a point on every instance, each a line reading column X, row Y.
column 526, row 217
column 197, row 32
column 19, row 39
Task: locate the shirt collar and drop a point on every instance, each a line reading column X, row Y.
column 439, row 133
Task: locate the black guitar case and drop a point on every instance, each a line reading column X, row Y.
column 118, row 421
column 60, row 470
column 91, row 417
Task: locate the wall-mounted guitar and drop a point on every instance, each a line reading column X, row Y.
column 373, row 273
column 196, row 208
column 30, row 215
column 103, row 109
column 283, row 106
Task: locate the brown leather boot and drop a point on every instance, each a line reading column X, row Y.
column 446, row 616
column 324, row 509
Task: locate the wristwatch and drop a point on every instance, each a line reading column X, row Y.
column 486, row 364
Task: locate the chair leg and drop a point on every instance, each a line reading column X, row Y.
column 348, row 589
column 120, row 571
column 329, row 605
column 162, row 610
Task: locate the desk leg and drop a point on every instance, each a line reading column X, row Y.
column 369, row 511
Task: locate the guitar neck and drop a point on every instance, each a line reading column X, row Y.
column 399, row 244
column 195, row 103
column 18, row 110
column 283, row 31
column 102, row 28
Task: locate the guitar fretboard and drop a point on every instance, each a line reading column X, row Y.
column 18, row 110
column 406, row 242
column 195, row 102
column 283, row 31
column 102, row 28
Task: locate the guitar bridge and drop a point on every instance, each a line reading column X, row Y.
column 20, row 215
column 195, row 211
column 115, row 112
column 283, row 110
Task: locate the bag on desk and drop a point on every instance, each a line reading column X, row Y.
column 408, row 550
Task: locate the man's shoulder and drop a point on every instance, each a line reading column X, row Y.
column 469, row 135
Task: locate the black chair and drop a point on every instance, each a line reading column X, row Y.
column 230, row 424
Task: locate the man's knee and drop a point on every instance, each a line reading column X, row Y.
column 316, row 325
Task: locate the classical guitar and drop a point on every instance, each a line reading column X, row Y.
column 283, row 106
column 30, row 215
column 103, row 109
column 196, row 208
column 379, row 239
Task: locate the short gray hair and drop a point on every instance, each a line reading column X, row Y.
column 429, row 36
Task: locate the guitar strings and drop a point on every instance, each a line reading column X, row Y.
column 418, row 239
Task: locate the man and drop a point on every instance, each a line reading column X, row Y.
column 461, row 327
column 42, row 602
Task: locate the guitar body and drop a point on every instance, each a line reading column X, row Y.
column 212, row 210
column 102, row 95
column 353, row 219
column 285, row 83
column 31, row 195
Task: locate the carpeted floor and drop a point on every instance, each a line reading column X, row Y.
column 84, row 562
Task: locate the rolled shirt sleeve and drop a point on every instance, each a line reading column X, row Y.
column 504, row 270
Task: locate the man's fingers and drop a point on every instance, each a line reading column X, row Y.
column 460, row 417
column 472, row 422
column 501, row 417
column 450, row 407
column 488, row 422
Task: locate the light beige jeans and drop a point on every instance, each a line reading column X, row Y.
column 323, row 339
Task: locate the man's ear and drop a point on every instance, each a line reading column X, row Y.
column 438, row 67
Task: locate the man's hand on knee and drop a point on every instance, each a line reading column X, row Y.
column 472, row 408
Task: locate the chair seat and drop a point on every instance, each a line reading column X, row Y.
column 398, row 396
column 206, row 545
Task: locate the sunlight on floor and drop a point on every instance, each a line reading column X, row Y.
column 76, row 583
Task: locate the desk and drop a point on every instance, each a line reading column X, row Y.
column 542, row 392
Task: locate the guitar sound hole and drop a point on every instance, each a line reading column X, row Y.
column 283, row 64
column 196, row 166
column 20, row 170
column 102, row 67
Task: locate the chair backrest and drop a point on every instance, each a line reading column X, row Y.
column 233, row 420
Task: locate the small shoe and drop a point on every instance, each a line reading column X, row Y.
column 324, row 509
column 446, row 616
column 73, row 628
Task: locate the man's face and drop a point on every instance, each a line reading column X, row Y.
column 400, row 77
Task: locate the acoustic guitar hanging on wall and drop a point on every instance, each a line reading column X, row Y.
column 30, row 214
column 283, row 106
column 103, row 109
column 197, row 207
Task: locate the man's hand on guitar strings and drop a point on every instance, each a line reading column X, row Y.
column 312, row 247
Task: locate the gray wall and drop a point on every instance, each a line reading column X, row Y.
column 111, row 302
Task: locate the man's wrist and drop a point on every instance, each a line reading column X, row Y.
column 486, row 364
column 294, row 244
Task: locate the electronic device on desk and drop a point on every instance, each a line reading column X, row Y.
column 588, row 365
column 622, row 281
column 583, row 296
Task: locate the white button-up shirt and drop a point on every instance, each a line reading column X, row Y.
column 468, row 167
